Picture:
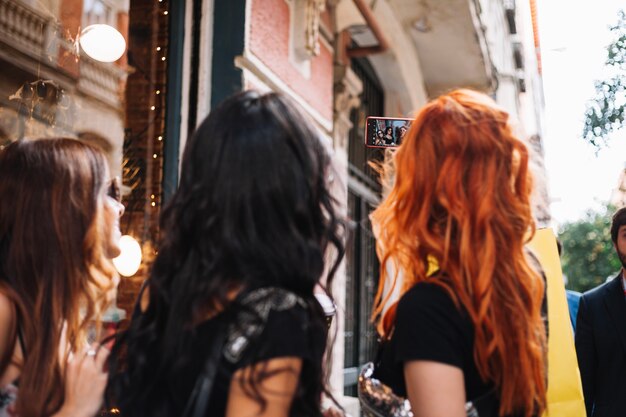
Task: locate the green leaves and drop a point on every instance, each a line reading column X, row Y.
column 605, row 112
column 588, row 256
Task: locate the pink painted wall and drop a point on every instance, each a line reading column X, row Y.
column 269, row 41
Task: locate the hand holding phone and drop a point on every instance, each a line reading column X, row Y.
column 385, row 132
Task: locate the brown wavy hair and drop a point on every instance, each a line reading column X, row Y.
column 53, row 265
column 461, row 195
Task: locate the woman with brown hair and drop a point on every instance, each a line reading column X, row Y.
column 59, row 230
column 468, row 324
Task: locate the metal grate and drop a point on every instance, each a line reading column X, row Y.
column 362, row 263
column 372, row 104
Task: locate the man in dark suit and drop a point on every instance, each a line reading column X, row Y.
column 601, row 337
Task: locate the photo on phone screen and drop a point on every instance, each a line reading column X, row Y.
column 385, row 132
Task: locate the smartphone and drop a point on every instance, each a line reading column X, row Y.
column 385, row 132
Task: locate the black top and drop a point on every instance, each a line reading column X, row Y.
column 287, row 331
column 430, row 327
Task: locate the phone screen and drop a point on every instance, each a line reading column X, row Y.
column 385, row 132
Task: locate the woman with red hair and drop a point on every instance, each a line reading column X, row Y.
column 467, row 321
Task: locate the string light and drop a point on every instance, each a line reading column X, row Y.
column 158, row 93
column 130, row 262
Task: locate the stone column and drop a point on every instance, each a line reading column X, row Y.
column 347, row 88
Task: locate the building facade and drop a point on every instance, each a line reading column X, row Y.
column 340, row 60
column 46, row 87
column 329, row 57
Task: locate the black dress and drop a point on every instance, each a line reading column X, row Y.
column 280, row 326
column 430, row 327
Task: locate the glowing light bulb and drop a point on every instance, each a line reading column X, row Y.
column 129, row 261
column 103, row 43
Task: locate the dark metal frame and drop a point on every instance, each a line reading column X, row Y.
column 229, row 20
column 171, row 146
column 226, row 79
column 362, row 263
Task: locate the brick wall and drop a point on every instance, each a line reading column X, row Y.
column 143, row 144
column 70, row 17
column 269, row 41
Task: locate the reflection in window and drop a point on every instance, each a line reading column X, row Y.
column 47, row 86
column 98, row 11
column 50, row 88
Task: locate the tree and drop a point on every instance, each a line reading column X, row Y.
column 605, row 112
column 588, row 256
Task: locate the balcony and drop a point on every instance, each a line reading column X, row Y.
column 33, row 42
column 102, row 81
column 25, row 29
column 449, row 36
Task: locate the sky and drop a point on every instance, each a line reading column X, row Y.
column 574, row 36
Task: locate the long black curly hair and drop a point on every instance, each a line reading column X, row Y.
column 253, row 209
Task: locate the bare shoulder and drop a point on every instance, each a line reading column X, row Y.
column 7, row 320
column 277, row 388
column 7, row 310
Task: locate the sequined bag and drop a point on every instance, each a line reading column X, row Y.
column 378, row 400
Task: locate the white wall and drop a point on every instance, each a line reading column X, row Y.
column 398, row 68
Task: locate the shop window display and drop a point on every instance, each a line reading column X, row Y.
column 51, row 86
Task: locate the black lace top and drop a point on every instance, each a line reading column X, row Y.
column 284, row 330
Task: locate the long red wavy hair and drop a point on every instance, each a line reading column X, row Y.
column 461, row 195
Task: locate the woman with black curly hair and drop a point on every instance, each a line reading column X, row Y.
column 230, row 300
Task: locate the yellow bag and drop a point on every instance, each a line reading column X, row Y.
column 565, row 393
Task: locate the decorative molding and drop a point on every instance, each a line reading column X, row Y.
column 304, row 33
column 102, row 81
column 25, row 28
column 312, row 32
column 347, row 91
